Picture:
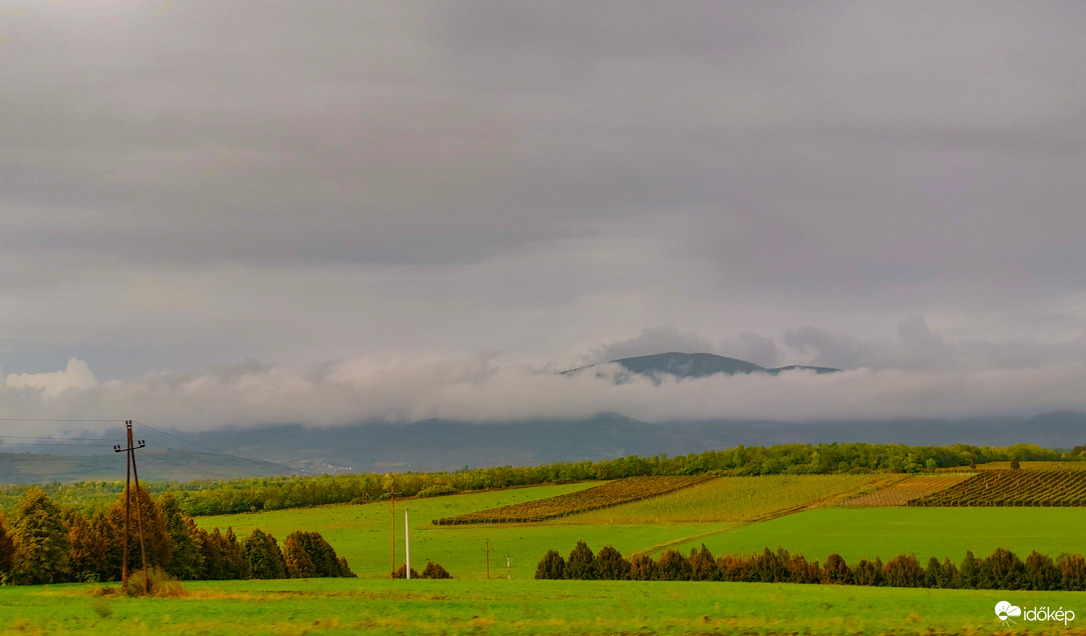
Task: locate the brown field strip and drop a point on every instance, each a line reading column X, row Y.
column 904, row 491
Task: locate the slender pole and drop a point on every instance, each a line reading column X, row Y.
column 392, row 498
column 488, row 559
column 139, row 512
column 508, row 567
column 127, row 510
column 406, row 544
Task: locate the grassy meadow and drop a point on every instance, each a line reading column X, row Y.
column 730, row 515
column 857, row 533
column 350, row 606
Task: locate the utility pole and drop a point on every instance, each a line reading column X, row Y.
column 129, row 473
column 488, row 559
column 406, row 544
column 392, row 498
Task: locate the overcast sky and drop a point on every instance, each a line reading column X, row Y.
column 203, row 203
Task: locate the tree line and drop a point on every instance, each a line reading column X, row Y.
column 48, row 543
column 1001, row 570
column 202, row 498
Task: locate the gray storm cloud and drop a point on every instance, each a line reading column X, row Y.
column 187, row 184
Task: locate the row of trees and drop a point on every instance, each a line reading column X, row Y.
column 276, row 493
column 1001, row 570
column 47, row 543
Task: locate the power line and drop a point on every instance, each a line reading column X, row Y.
column 82, row 439
column 47, row 419
column 49, row 444
column 217, row 451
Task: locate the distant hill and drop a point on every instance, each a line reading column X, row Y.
column 434, row 445
column 154, row 465
column 698, row 365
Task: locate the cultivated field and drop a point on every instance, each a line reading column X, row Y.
column 1042, row 488
column 734, row 499
column 603, row 496
column 904, row 491
column 351, row 606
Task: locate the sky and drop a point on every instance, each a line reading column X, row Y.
column 218, row 214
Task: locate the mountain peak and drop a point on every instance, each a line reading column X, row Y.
column 699, row 365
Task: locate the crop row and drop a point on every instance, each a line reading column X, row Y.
column 609, row 494
column 1013, row 488
column 902, row 492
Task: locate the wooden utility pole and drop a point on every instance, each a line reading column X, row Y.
column 392, row 498
column 406, row 544
column 130, row 472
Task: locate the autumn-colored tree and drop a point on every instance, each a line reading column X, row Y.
column 235, row 562
column 642, row 568
column 836, row 571
column 265, row 557
column 1003, row 570
column 581, row 564
column 703, row 565
column 1073, row 572
column 87, row 557
column 187, row 561
column 40, row 540
column 969, row 574
column 7, row 551
column 157, row 541
column 551, row 566
column 672, row 566
column 903, row 571
column 1042, row 573
column 610, row 566
column 211, row 551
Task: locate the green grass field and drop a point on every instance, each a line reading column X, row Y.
column 857, row 533
column 350, row 606
column 730, row 499
column 361, row 533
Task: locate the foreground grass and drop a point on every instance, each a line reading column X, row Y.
column 535, row 607
column 857, row 533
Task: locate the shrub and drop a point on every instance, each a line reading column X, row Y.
column 434, row 571
column 551, row 566
column 402, row 573
column 159, row 584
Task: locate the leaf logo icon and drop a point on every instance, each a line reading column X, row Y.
column 1004, row 611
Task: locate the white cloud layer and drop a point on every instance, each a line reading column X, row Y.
column 474, row 388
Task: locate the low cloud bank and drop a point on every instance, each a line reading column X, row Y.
column 472, row 388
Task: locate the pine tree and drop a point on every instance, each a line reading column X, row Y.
column 187, row 561
column 265, row 557
column 551, row 566
column 581, row 563
column 610, row 566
